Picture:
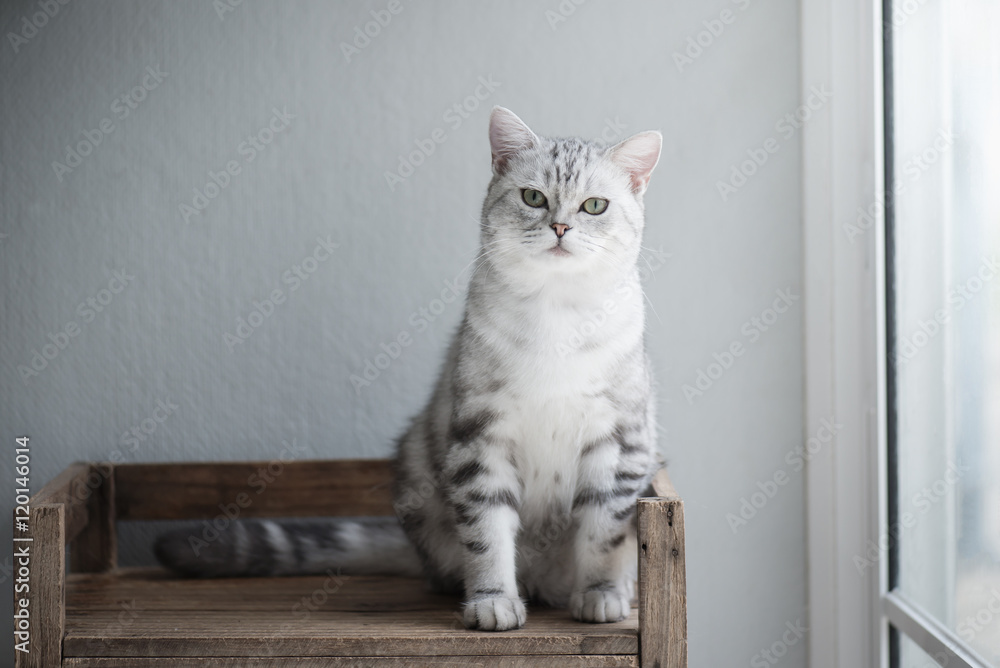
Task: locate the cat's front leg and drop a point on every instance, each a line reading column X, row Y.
column 485, row 494
column 609, row 484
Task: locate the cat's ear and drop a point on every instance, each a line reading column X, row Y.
column 508, row 136
column 638, row 155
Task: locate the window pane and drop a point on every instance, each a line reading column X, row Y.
column 946, row 145
column 911, row 656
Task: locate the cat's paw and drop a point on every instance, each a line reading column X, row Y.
column 494, row 613
column 600, row 605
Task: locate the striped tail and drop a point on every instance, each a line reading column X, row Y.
column 260, row 548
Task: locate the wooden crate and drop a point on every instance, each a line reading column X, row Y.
column 100, row 616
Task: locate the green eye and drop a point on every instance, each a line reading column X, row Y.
column 594, row 206
column 533, row 198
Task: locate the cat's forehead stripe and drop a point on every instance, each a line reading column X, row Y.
column 571, row 158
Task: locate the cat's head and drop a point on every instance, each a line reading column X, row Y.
column 558, row 208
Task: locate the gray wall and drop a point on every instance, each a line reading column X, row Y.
column 715, row 263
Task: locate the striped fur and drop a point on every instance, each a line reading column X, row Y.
column 519, row 478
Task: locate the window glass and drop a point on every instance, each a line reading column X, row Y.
column 946, row 285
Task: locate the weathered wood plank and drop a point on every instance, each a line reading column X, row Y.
column 95, row 549
column 147, row 619
column 664, row 487
column 346, row 487
column 662, row 584
column 46, row 555
column 537, row 661
column 156, row 589
column 59, row 489
column 164, row 633
column 70, row 489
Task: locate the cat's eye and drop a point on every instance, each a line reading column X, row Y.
column 533, row 198
column 594, row 206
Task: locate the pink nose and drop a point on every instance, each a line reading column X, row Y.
column 560, row 229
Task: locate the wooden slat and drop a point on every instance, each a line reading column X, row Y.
column 537, row 661
column 662, row 584
column 143, row 612
column 95, row 549
column 349, row 487
column 46, row 580
column 60, row 488
column 167, row 633
column 155, row 589
column 69, row 488
column 664, row 487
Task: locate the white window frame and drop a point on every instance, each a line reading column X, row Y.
column 845, row 359
column 844, row 332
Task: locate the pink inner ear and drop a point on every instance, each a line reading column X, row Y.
column 508, row 136
column 638, row 156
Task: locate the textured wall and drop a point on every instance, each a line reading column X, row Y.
column 300, row 127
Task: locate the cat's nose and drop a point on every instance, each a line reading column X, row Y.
column 560, row 229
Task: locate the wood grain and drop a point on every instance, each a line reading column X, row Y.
column 537, row 661
column 664, row 487
column 96, row 547
column 145, row 618
column 662, row 584
column 347, row 487
column 145, row 613
column 46, row 590
column 70, row 489
column 333, row 633
column 157, row 589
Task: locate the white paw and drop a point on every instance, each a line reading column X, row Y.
column 600, row 605
column 494, row 613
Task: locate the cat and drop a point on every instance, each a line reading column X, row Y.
column 519, row 479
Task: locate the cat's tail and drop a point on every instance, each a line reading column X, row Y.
column 365, row 546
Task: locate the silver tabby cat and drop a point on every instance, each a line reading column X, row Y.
column 519, row 478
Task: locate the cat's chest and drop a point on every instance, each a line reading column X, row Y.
column 557, row 379
column 548, row 432
column 562, row 349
